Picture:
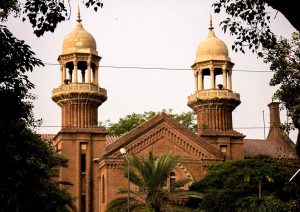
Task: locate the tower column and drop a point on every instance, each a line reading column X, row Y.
column 200, row 76
column 64, row 72
column 230, row 80
column 96, row 74
column 212, row 78
column 75, row 71
column 224, row 77
column 61, row 74
column 70, row 75
column 196, row 81
column 89, row 71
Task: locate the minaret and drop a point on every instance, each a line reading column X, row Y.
column 214, row 99
column 79, row 96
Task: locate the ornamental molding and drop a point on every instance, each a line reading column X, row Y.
column 142, row 142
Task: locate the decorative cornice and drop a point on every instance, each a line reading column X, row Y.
column 216, row 95
column 198, row 66
column 75, row 93
column 64, row 58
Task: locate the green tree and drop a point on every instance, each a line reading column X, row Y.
column 44, row 15
column 260, row 182
column 285, row 62
column 249, row 22
column 129, row 122
column 187, row 119
column 149, row 175
column 28, row 163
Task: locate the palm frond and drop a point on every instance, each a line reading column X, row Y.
column 149, row 174
column 185, row 194
column 181, row 183
column 118, row 204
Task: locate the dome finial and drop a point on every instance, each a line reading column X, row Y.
column 210, row 23
column 78, row 14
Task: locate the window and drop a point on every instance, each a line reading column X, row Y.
column 223, row 149
column 103, row 189
column 83, row 203
column 83, row 146
column 83, row 163
column 172, row 180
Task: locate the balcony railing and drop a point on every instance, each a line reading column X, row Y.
column 214, row 93
column 77, row 88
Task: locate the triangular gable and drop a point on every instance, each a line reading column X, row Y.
column 163, row 126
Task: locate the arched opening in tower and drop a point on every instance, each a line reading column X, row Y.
column 93, row 70
column 82, row 67
column 69, row 68
column 219, row 78
column 206, row 78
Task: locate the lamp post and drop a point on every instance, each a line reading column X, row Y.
column 123, row 152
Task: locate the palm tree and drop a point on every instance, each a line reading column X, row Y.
column 149, row 176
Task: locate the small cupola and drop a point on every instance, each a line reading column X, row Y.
column 211, row 48
column 79, row 40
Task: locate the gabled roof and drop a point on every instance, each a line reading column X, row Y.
column 111, row 138
column 160, row 122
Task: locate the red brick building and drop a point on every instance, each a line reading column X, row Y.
column 94, row 157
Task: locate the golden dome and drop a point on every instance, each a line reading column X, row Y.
column 211, row 48
column 79, row 40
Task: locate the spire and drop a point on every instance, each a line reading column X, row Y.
column 210, row 23
column 78, row 14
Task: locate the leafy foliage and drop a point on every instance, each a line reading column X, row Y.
column 129, row 122
column 249, row 22
column 16, row 59
column 284, row 60
column 236, row 185
column 7, row 7
column 187, row 119
column 266, row 203
column 149, row 175
column 29, row 164
column 44, row 15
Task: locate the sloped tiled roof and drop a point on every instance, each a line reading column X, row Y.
column 110, row 139
column 275, row 148
column 47, row 137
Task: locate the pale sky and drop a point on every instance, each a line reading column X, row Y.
column 150, row 34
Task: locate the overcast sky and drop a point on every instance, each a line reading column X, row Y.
column 152, row 33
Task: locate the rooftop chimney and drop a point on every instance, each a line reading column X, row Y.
column 274, row 114
column 274, row 121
